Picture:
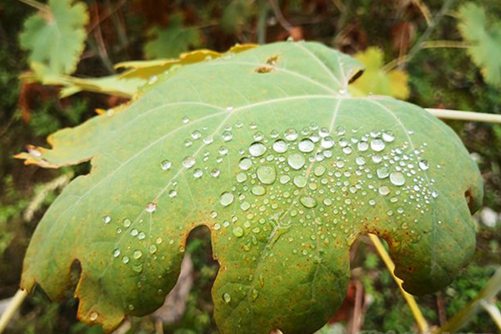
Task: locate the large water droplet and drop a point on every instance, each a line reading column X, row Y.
column 397, row 178
column 280, row 146
column 423, row 165
column 257, row 149
column 241, row 177
column 319, row 170
column 223, row 151
column 226, row 297
column 266, row 174
column 116, row 252
column 198, row 173
column 327, row 142
column 388, row 137
column 296, row 161
column 166, row 165
column 258, row 190
column 382, row 172
column 300, row 181
column 245, row 164
column 384, row 190
column 360, row 161
column 226, row 198
column 238, row 231
column 151, row 207
column 93, row 316
column 245, row 206
column 308, row 202
column 189, row 162
column 196, row 135
column 363, row 146
column 137, row 254
column 106, row 219
column 291, row 134
column 377, row 145
column 306, row 146
column 227, row 136
column 284, row 179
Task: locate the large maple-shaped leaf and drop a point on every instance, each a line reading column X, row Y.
column 484, row 33
column 55, row 37
column 268, row 151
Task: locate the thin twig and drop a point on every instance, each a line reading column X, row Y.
column 280, row 16
column 418, row 45
column 37, row 5
column 14, row 305
column 101, row 47
column 465, row 115
column 424, row 11
column 411, row 302
column 106, row 15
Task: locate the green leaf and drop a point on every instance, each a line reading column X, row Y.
column 485, row 35
column 376, row 80
column 236, row 14
column 287, row 170
column 55, row 38
column 111, row 85
column 171, row 41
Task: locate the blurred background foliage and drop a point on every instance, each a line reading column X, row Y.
column 439, row 54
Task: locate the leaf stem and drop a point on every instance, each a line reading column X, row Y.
column 411, row 302
column 465, row 115
column 14, row 304
column 461, row 318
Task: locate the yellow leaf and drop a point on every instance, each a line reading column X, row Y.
column 377, row 81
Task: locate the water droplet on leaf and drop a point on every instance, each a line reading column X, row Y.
column 226, row 198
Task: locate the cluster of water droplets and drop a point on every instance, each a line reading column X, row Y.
column 325, row 181
column 285, row 176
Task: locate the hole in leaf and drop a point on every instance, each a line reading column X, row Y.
column 264, row 69
column 272, row 60
column 469, row 200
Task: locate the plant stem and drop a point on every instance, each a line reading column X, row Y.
column 411, row 302
column 461, row 318
column 445, row 44
column 465, row 115
column 261, row 21
column 37, row 5
column 493, row 311
column 14, row 304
